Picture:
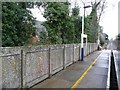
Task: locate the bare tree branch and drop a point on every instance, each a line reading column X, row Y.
column 102, row 9
column 99, row 6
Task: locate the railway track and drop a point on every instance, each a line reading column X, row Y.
column 113, row 84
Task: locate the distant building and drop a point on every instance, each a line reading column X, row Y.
column 40, row 28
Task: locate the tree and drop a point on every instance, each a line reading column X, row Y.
column 17, row 24
column 92, row 20
column 101, row 8
column 77, row 24
column 104, row 38
column 63, row 28
column 75, row 11
column 59, row 23
column 94, row 23
column 91, row 26
column 88, row 29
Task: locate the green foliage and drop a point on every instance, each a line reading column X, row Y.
column 43, row 38
column 17, row 24
column 77, row 24
column 68, row 32
column 91, row 26
column 63, row 28
column 77, row 28
column 59, row 23
column 88, row 29
column 75, row 11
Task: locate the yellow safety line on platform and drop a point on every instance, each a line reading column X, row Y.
column 83, row 75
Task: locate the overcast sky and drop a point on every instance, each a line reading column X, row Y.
column 109, row 19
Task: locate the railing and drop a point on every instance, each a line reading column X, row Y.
column 26, row 66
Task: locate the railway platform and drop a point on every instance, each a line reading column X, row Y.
column 90, row 73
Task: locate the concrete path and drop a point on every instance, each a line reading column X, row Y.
column 90, row 73
column 97, row 75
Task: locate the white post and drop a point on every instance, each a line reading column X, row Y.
column 98, row 42
column 82, row 48
column 82, row 35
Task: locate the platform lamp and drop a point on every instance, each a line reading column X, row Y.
column 82, row 34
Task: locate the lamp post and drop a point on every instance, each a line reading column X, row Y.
column 82, row 34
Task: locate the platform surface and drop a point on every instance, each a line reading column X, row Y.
column 96, row 77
